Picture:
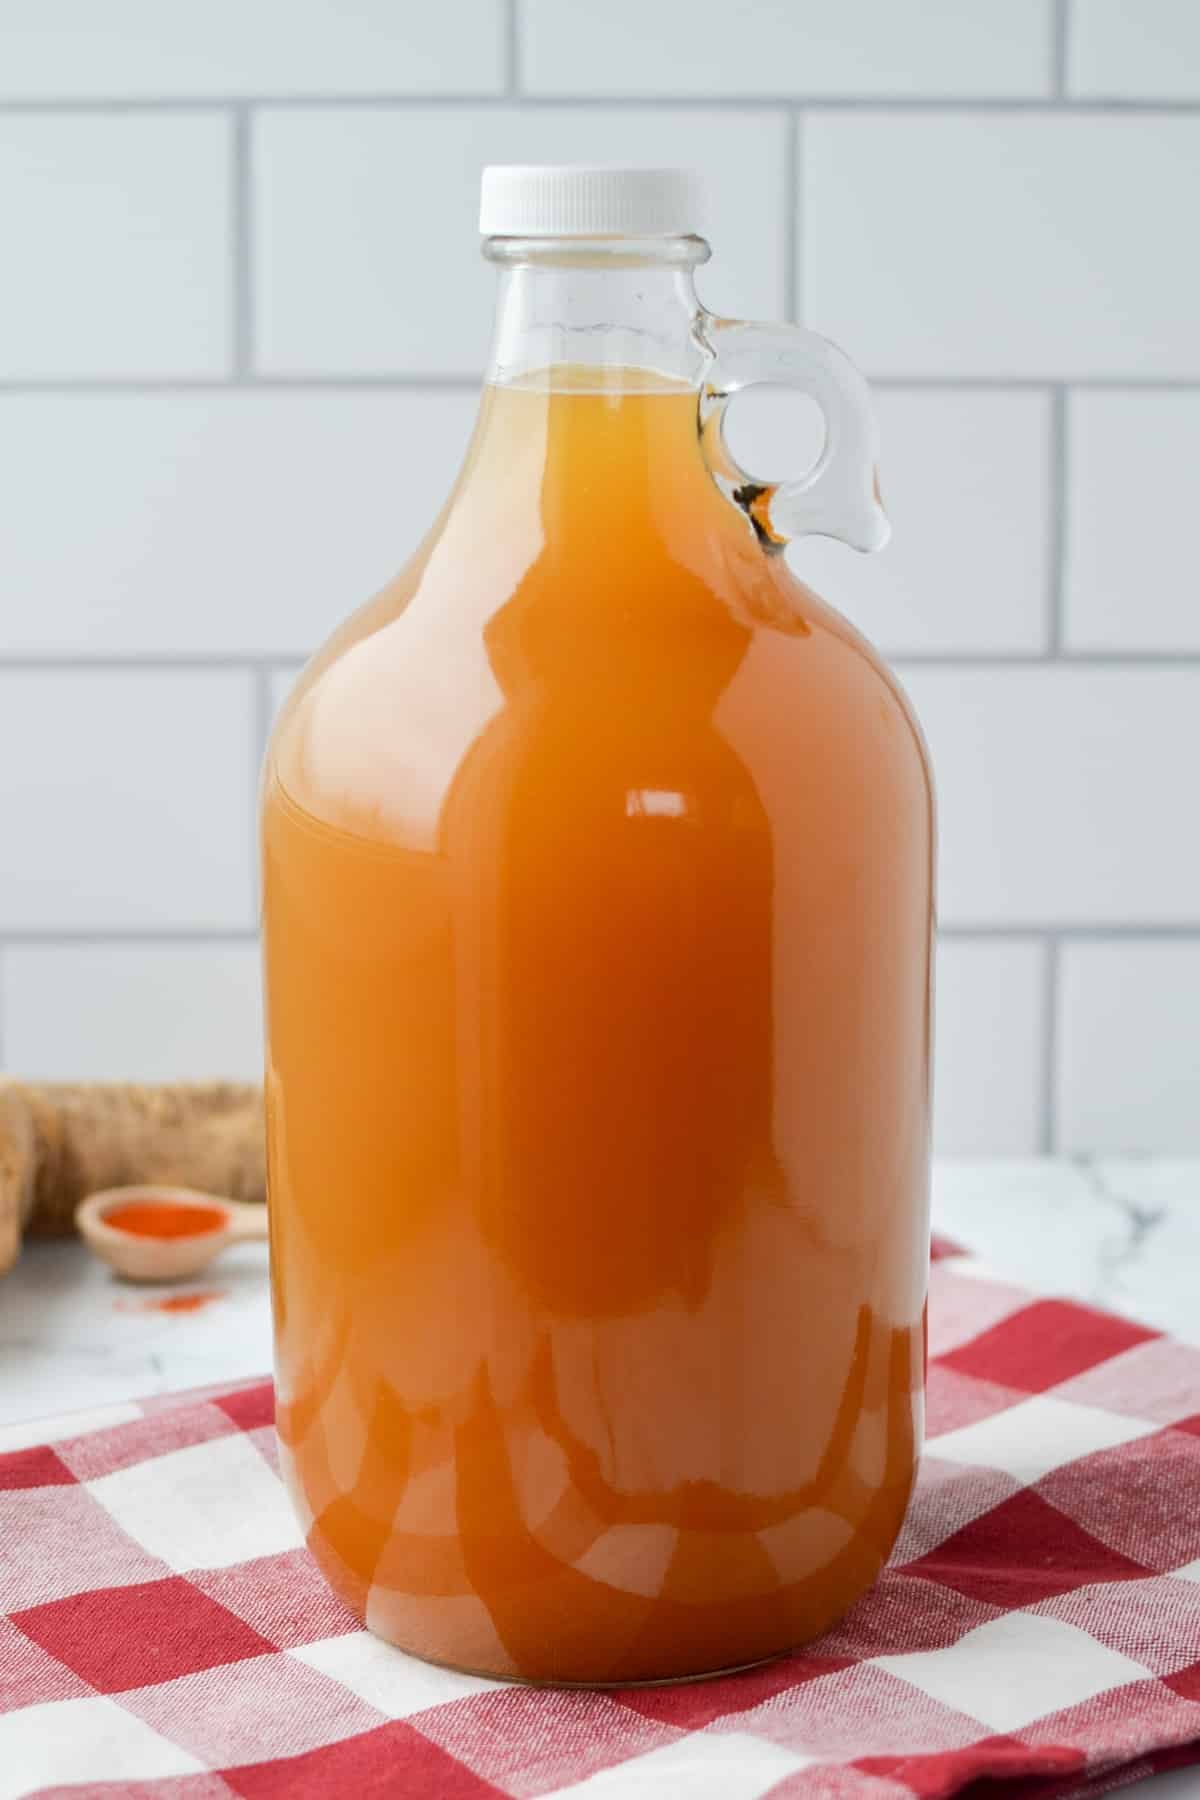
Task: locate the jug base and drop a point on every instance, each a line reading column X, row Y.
column 511, row 1679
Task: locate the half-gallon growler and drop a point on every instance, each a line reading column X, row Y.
column 598, row 901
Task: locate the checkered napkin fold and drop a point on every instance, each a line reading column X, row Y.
column 165, row 1633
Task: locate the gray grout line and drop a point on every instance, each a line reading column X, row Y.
column 1041, row 659
column 1015, row 934
column 133, row 937
column 92, row 104
column 459, row 381
column 32, row 938
column 1117, row 932
column 1051, row 965
column 208, row 662
column 254, row 383
column 699, row 103
column 1038, row 384
column 241, row 247
column 512, row 49
column 793, row 228
column 1058, row 525
column 1060, row 45
column 153, row 662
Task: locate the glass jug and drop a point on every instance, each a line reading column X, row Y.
column 597, row 906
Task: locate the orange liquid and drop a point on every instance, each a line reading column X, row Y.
column 597, row 906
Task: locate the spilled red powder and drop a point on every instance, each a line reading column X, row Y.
column 161, row 1219
column 183, row 1303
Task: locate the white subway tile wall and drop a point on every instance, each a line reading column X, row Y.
column 966, row 483
column 1066, row 795
column 1129, row 1073
column 126, row 796
column 240, row 319
column 229, row 521
column 367, row 250
column 280, row 684
column 1048, row 245
column 133, row 1012
column 926, row 48
column 116, row 234
column 990, row 1046
column 1132, row 582
column 1147, row 51
column 128, row 49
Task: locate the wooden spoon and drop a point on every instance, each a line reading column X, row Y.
column 141, row 1257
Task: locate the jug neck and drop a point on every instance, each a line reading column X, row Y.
column 615, row 308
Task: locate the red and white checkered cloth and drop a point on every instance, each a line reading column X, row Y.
column 165, row 1633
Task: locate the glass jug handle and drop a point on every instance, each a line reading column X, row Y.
column 839, row 496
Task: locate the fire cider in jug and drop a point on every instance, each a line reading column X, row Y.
column 597, row 896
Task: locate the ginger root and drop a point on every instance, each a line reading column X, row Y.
column 60, row 1142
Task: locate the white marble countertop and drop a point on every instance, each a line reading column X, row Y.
column 1122, row 1233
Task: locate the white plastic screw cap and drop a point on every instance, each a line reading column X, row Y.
column 588, row 200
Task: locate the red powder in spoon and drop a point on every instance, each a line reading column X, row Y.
column 160, row 1219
